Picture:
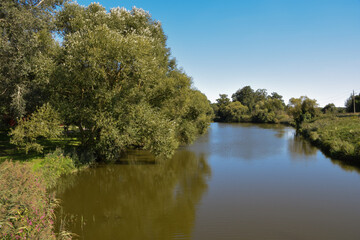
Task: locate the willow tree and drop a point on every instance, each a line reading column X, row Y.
column 26, row 54
column 116, row 82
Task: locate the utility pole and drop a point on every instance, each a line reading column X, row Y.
column 354, row 101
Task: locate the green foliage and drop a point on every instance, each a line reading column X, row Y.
column 116, row 82
column 235, row 112
column 26, row 54
column 53, row 166
column 26, row 210
column 302, row 109
column 251, row 106
column 42, row 123
column 198, row 113
column 338, row 136
column 112, row 78
column 275, row 95
column 349, row 104
column 329, row 109
column 269, row 110
column 246, row 96
column 149, row 130
column 220, row 107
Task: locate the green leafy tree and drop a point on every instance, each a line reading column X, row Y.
column 44, row 123
column 260, row 95
column 329, row 108
column 275, row 95
column 222, row 102
column 116, row 82
column 235, row 112
column 270, row 110
column 302, row 109
column 198, row 114
column 26, row 54
column 246, row 96
column 349, row 104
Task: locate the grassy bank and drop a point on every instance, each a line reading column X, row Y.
column 338, row 136
column 10, row 151
column 26, row 207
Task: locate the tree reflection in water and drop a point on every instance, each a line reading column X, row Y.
column 300, row 149
column 346, row 166
column 137, row 199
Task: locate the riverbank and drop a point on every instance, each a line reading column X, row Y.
column 26, row 205
column 338, row 136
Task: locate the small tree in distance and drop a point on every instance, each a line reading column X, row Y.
column 302, row 109
column 329, row 108
column 349, row 104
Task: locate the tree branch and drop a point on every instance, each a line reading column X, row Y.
column 39, row 3
column 4, row 91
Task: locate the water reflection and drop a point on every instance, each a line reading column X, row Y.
column 346, row 166
column 300, row 149
column 136, row 201
column 245, row 141
column 255, row 191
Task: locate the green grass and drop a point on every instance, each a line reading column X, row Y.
column 337, row 136
column 10, row 151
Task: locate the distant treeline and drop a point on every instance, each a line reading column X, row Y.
column 249, row 105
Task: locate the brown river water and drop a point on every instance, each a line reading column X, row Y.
column 238, row 181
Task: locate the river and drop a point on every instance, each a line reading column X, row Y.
column 238, row 181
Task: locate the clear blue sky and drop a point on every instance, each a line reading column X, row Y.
column 293, row 47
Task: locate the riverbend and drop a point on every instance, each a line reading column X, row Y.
column 238, row 181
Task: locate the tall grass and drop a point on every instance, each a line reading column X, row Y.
column 26, row 209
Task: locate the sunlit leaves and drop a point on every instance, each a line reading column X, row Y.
column 302, row 109
column 44, row 123
column 115, row 81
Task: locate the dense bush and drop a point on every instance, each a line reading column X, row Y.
column 26, row 210
column 53, row 166
column 44, row 123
